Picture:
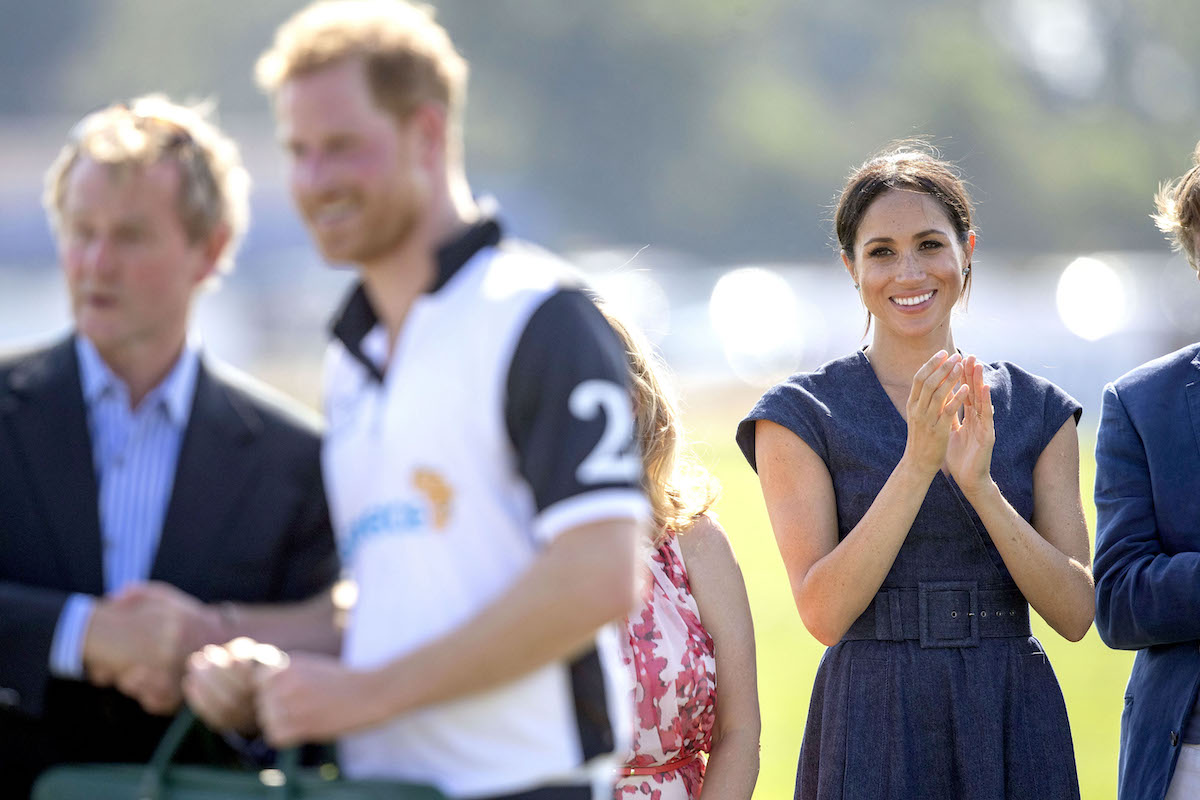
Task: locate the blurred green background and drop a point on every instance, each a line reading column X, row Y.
column 720, row 127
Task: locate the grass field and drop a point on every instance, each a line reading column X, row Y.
column 1092, row 676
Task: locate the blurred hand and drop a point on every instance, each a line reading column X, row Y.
column 157, row 690
column 932, row 410
column 139, row 638
column 314, row 698
column 969, row 451
column 220, row 684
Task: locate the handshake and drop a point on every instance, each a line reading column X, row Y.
column 145, row 639
column 161, row 646
column 139, row 640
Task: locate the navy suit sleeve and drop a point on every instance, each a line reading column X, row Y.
column 1144, row 595
column 311, row 564
column 34, row 581
column 28, row 617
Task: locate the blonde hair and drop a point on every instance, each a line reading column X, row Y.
column 678, row 487
column 1178, row 207
column 408, row 56
column 214, row 187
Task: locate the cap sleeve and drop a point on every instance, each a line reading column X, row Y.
column 1032, row 392
column 1059, row 406
column 792, row 405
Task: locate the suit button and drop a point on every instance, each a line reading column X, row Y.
column 9, row 698
column 1174, row 739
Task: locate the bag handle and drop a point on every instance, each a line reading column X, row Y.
column 153, row 779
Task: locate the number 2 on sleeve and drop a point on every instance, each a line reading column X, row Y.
column 613, row 458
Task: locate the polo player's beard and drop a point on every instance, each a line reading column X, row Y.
column 395, row 226
column 386, row 224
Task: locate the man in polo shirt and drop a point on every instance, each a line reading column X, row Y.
column 480, row 457
column 140, row 486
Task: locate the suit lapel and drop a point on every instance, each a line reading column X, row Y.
column 1193, row 397
column 48, row 423
column 215, row 466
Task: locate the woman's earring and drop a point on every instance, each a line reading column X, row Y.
column 966, row 270
column 856, row 286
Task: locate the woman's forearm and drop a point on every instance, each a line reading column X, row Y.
column 1058, row 587
column 839, row 587
column 732, row 765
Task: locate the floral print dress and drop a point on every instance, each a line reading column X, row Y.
column 675, row 693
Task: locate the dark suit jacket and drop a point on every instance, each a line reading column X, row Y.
column 1148, row 558
column 246, row 521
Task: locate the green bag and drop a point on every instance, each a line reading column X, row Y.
column 162, row 780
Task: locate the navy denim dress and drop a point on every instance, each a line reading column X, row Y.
column 938, row 690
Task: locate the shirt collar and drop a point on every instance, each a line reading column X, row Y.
column 174, row 392
column 452, row 255
column 357, row 318
column 95, row 377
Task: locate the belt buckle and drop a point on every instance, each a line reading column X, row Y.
column 946, row 608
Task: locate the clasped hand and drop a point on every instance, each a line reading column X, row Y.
column 250, row 687
column 945, row 386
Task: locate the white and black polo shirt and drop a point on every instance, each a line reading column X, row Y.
column 501, row 419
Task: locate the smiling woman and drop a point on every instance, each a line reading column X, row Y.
column 909, row 283
column 922, row 180
column 922, row 501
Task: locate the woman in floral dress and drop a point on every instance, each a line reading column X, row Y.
column 693, row 607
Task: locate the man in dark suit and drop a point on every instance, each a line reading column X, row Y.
column 147, row 500
column 1148, row 543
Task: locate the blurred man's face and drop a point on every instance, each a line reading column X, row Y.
column 355, row 171
column 129, row 264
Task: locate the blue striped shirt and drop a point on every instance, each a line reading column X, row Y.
column 134, row 452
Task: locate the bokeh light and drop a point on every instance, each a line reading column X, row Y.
column 637, row 297
column 1063, row 43
column 756, row 317
column 1092, row 299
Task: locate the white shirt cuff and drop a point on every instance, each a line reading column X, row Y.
column 590, row 507
column 66, row 649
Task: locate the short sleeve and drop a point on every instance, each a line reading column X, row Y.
column 1031, row 394
column 569, row 414
column 792, row 405
column 1059, row 406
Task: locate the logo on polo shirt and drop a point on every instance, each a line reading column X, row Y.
column 437, row 493
column 427, row 508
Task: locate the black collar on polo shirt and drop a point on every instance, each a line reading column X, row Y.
column 356, row 317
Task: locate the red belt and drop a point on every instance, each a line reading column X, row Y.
column 656, row 769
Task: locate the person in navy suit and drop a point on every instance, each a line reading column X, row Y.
column 143, row 490
column 1148, row 542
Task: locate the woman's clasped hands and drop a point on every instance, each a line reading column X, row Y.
column 969, row 450
column 950, row 420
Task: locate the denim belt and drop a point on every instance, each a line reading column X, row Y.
column 943, row 614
